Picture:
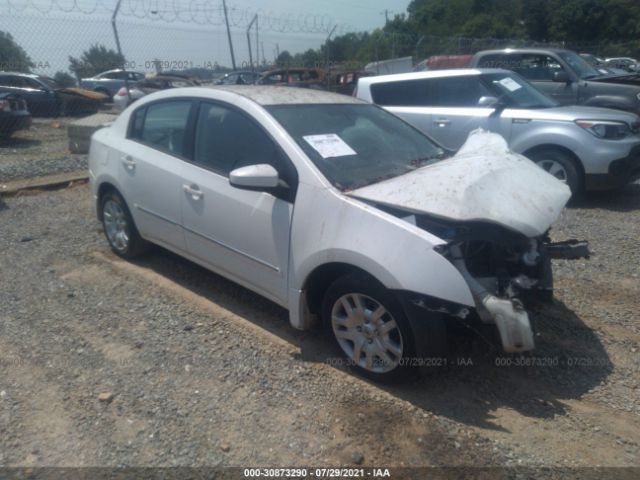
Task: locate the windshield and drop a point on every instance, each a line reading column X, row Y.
column 356, row 145
column 579, row 65
column 514, row 91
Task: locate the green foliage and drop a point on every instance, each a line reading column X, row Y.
column 441, row 27
column 284, row 59
column 12, row 56
column 95, row 60
column 64, row 79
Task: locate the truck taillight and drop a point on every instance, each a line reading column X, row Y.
column 5, row 106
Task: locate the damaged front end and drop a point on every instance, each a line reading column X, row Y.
column 493, row 210
column 505, row 272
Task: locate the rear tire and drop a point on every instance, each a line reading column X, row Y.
column 561, row 165
column 119, row 227
column 369, row 328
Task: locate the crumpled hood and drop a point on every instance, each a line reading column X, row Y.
column 484, row 181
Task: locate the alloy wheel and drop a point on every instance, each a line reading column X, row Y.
column 115, row 225
column 554, row 168
column 367, row 333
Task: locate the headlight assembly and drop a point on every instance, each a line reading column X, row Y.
column 605, row 129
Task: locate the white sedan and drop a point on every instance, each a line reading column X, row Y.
column 335, row 209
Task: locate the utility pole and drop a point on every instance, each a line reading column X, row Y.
column 263, row 57
column 257, row 44
column 115, row 34
column 226, row 19
column 255, row 18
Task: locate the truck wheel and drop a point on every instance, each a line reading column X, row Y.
column 369, row 328
column 560, row 165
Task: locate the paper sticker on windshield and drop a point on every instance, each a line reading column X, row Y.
column 329, row 145
column 510, row 84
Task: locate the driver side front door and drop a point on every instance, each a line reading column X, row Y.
column 242, row 234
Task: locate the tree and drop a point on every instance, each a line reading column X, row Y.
column 64, row 79
column 95, row 60
column 284, row 59
column 12, row 56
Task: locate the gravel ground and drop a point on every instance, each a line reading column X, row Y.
column 41, row 150
column 195, row 370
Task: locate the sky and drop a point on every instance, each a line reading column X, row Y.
column 50, row 35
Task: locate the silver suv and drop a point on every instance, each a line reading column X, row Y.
column 589, row 148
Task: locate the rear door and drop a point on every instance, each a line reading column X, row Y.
column 446, row 108
column 242, row 234
column 455, row 110
column 406, row 99
column 150, row 163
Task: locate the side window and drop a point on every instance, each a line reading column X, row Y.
column 164, row 125
column 136, row 122
column 31, row 83
column 401, row 94
column 226, row 139
column 462, row 91
column 538, row 67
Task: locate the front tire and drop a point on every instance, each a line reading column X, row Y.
column 560, row 165
column 369, row 328
column 119, row 228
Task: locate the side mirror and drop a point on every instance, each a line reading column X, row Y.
column 258, row 176
column 487, row 101
column 561, row 77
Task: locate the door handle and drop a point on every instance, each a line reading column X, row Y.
column 128, row 162
column 192, row 190
column 442, row 122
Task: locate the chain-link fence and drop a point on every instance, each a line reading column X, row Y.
column 206, row 38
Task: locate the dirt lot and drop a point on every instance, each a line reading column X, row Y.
column 203, row 372
column 41, row 150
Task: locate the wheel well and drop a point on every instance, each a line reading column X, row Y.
column 101, row 90
column 102, row 190
column 574, row 158
column 321, row 278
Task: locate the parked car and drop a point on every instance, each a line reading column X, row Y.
column 111, row 81
column 566, row 77
column 14, row 115
column 238, row 78
column 345, row 81
column 443, row 62
column 45, row 96
column 122, row 100
column 387, row 239
column 623, row 63
column 295, row 77
column 586, row 147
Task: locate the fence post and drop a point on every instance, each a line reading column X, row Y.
column 124, row 62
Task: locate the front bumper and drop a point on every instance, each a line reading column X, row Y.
column 622, row 171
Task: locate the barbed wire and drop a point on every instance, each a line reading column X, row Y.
column 201, row 12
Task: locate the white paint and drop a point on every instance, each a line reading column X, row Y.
column 484, row 182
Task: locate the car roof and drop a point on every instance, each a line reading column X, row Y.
column 22, row 74
column 272, row 95
column 457, row 72
column 524, row 50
